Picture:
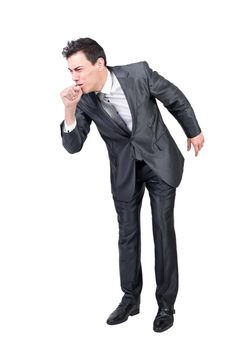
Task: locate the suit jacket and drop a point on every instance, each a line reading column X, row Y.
column 149, row 140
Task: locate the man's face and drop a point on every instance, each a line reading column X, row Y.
column 84, row 73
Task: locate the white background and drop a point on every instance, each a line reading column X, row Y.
column 58, row 252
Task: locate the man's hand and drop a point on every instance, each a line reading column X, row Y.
column 71, row 96
column 197, row 143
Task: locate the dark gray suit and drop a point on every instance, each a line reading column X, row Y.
column 150, row 139
column 159, row 165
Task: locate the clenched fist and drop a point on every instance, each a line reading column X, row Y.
column 71, row 96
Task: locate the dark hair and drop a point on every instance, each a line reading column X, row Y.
column 89, row 47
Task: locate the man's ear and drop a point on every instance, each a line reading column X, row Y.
column 100, row 63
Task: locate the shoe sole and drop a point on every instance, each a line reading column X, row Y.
column 133, row 313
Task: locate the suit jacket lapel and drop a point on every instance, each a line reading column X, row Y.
column 95, row 104
column 128, row 86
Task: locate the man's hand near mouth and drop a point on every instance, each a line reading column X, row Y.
column 70, row 97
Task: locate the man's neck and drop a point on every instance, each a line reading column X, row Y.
column 104, row 78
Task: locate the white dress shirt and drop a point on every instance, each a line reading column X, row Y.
column 115, row 95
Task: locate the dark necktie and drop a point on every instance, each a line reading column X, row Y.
column 112, row 112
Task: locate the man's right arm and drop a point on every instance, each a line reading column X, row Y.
column 76, row 126
column 74, row 136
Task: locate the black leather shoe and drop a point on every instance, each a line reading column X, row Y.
column 164, row 319
column 122, row 312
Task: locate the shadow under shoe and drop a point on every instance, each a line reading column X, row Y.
column 164, row 319
column 121, row 313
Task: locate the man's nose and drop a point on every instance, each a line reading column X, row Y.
column 75, row 79
column 75, row 76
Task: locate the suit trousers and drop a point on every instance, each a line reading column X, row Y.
column 162, row 198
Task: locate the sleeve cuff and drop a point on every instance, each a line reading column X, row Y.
column 69, row 128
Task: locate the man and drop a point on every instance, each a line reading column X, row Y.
column 122, row 103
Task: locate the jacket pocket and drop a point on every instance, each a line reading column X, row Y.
column 161, row 142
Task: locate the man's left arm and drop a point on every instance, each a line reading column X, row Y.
column 178, row 105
